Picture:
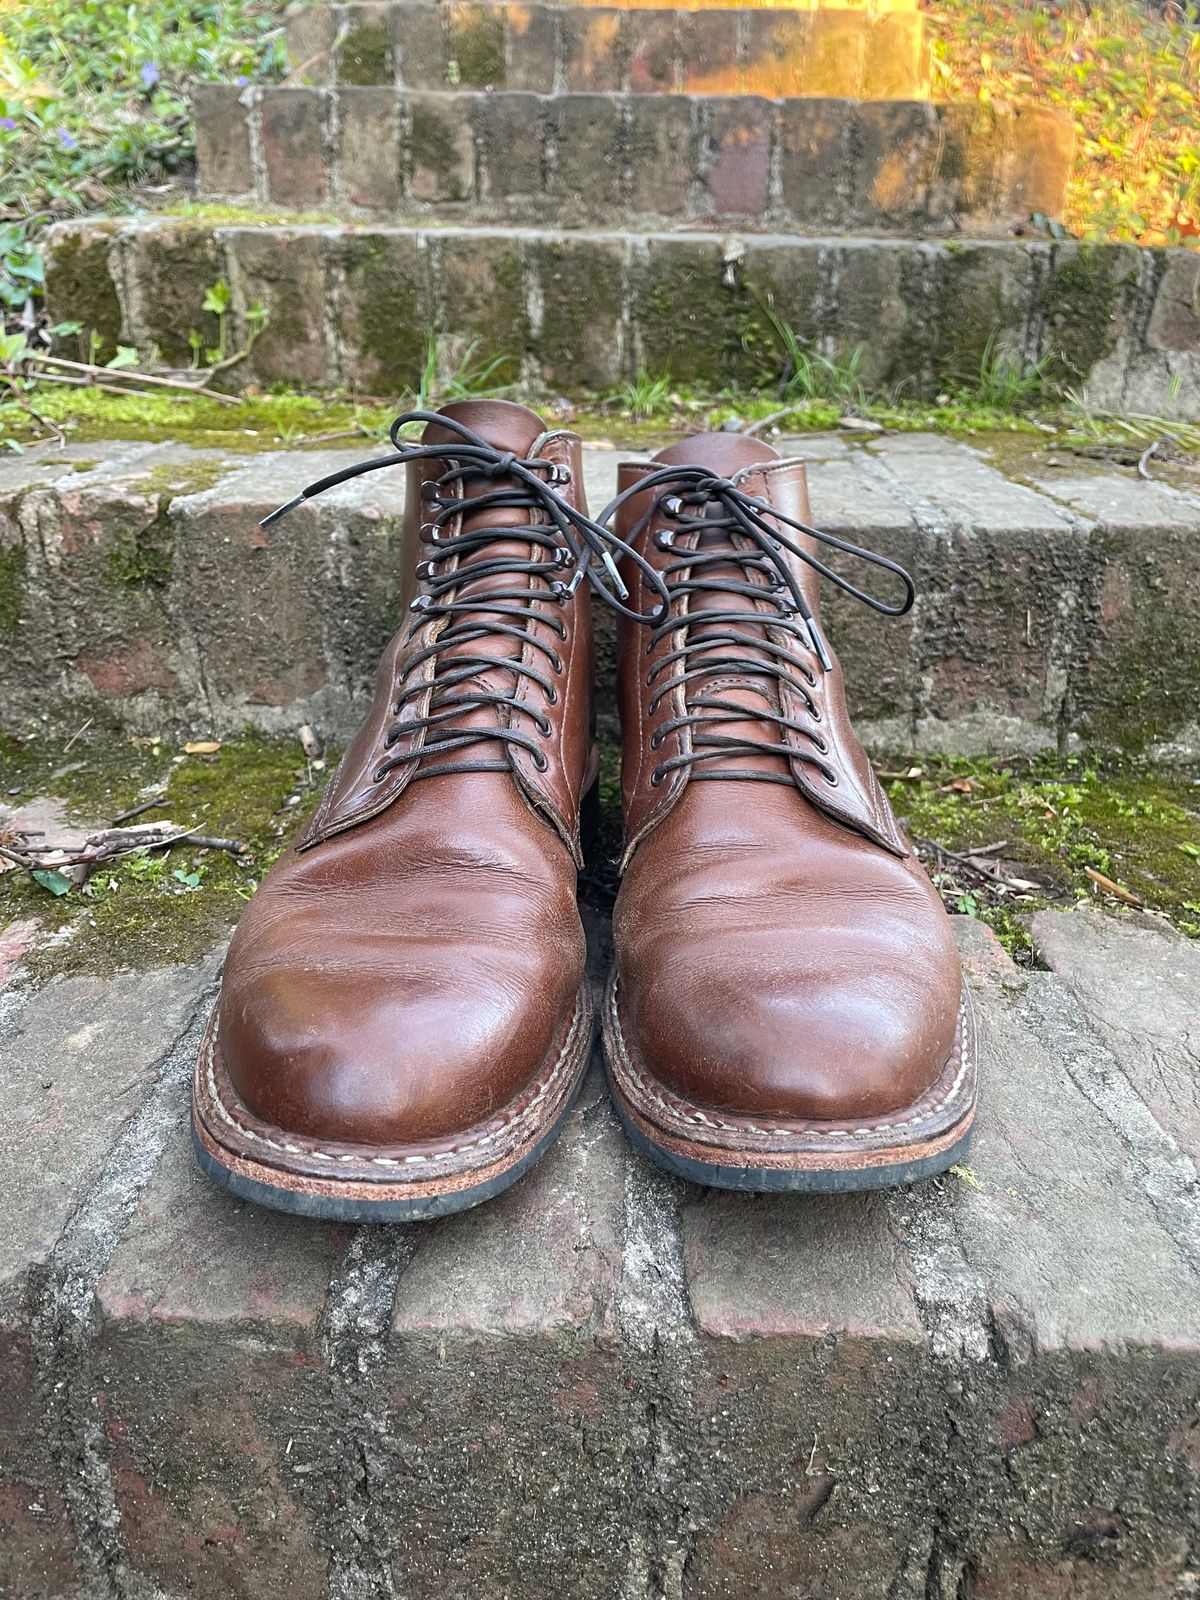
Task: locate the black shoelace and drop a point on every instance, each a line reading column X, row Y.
column 718, row 641
column 454, row 568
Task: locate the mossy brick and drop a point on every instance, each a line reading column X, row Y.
column 982, row 298
column 224, row 164
column 708, row 53
column 385, row 311
column 654, row 52
column 12, row 576
column 897, row 154
column 369, row 148
column 172, row 268
column 664, row 146
column 531, row 46
column 365, row 53
column 738, row 156
column 482, row 294
column 1175, row 320
column 1081, row 300
column 81, row 283
column 588, row 170
column 311, row 33
column 581, row 285
column 293, row 146
column 815, row 160
column 283, row 269
column 896, row 56
column 513, row 141
column 441, row 144
column 420, row 41
column 476, row 43
column 689, row 309
column 596, row 45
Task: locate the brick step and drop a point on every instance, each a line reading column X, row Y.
column 601, row 49
column 708, row 161
column 1044, row 597
column 606, row 1375
column 352, row 308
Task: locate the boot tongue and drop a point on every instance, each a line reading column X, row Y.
column 514, row 429
column 729, row 454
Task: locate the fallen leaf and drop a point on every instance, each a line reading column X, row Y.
column 56, row 882
column 201, row 747
column 1112, row 888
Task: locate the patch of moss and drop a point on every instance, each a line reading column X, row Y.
column 143, row 555
column 137, row 913
column 478, row 34
column 1054, row 820
column 365, row 54
column 12, row 586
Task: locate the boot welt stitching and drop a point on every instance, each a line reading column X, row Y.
column 681, row 1113
column 314, row 1153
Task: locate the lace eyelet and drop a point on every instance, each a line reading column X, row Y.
column 814, row 713
column 551, row 694
column 556, row 663
column 656, row 739
column 665, row 538
column 560, row 472
column 540, row 761
column 656, row 777
column 820, row 743
column 431, row 494
column 430, row 533
column 671, row 506
column 380, row 774
column 831, row 778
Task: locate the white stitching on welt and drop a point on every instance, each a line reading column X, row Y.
column 865, row 1132
column 385, row 1161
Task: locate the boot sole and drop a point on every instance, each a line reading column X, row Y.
column 414, row 1183
column 809, row 1157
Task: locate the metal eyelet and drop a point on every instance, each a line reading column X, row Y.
column 831, row 779
column 815, row 713
column 430, row 533
column 665, row 538
column 551, row 694
column 672, row 506
column 380, row 774
column 431, row 494
column 540, row 761
column 820, row 743
column 656, row 739
column 656, row 777
column 556, row 663
column 421, row 603
column 559, row 472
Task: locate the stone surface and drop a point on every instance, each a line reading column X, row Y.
column 1032, row 622
column 609, row 1383
column 1139, row 982
column 1109, row 318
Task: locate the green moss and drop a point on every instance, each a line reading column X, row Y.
column 1080, row 301
column 1057, row 819
column 365, row 55
column 12, row 586
column 80, row 288
column 142, row 555
column 137, row 913
column 478, row 46
column 384, row 280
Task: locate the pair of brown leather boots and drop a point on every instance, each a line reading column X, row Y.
column 405, row 1019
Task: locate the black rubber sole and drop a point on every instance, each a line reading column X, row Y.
column 329, row 1208
column 773, row 1180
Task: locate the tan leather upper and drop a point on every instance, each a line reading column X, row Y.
column 405, row 969
column 779, row 949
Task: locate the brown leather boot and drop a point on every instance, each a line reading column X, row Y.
column 786, row 1008
column 404, row 1019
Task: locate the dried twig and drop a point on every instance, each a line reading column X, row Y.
column 88, row 370
column 110, row 844
column 137, row 811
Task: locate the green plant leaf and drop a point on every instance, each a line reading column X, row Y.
column 56, row 882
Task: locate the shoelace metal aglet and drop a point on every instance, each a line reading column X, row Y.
column 818, row 644
column 611, row 568
column 570, row 588
column 282, row 511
